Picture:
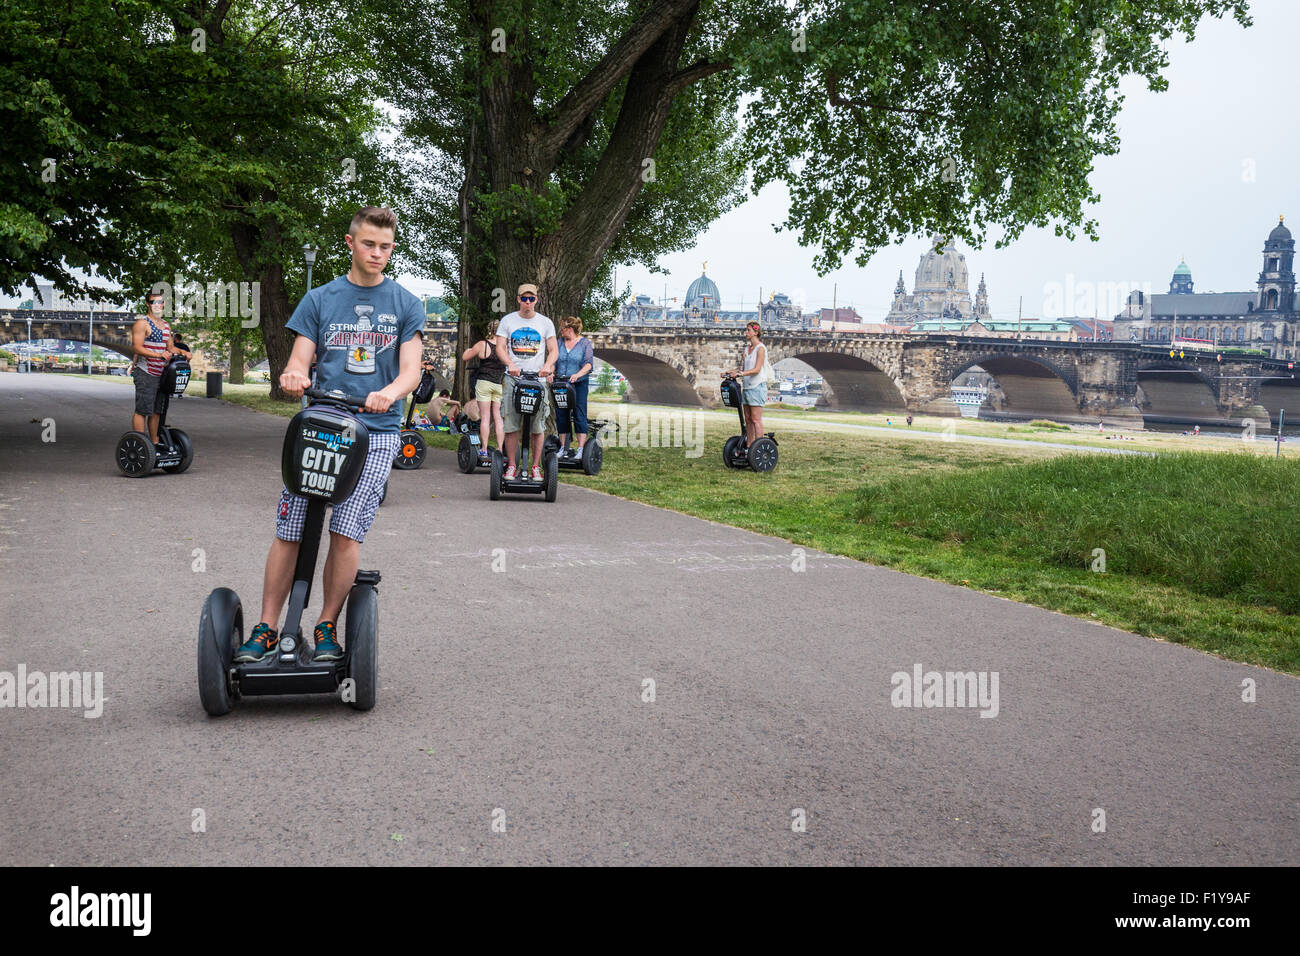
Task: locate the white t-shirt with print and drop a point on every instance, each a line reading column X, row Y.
column 526, row 339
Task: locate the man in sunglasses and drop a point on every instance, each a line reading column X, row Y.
column 525, row 343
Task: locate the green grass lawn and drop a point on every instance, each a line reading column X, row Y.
column 1199, row 548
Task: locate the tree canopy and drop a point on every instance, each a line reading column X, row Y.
column 546, row 140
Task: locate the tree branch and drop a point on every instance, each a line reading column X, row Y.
column 589, row 92
column 694, row 73
column 832, row 91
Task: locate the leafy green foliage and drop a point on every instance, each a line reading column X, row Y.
column 901, row 117
column 1212, row 524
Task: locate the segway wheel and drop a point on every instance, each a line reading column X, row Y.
column 729, row 451
column 186, row 446
column 411, row 452
column 466, row 457
column 762, row 454
column 552, row 444
column 592, row 456
column 361, row 631
column 221, row 631
column 136, row 456
column 494, row 477
column 552, row 472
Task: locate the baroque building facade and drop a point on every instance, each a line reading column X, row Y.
column 940, row 290
column 702, row 306
column 1265, row 319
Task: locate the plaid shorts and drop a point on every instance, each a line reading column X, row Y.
column 351, row 518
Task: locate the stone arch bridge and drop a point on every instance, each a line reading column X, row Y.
column 1065, row 381
column 1120, row 383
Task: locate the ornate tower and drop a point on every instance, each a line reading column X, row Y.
column 1276, row 279
column 1181, row 284
column 900, row 295
column 982, row 300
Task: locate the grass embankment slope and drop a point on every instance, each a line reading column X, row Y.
column 1199, row 548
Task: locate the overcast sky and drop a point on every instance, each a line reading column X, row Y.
column 1204, row 170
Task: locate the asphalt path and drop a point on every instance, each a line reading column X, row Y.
column 519, row 697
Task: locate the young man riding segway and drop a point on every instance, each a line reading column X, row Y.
column 365, row 333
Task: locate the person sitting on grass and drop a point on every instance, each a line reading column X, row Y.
column 442, row 410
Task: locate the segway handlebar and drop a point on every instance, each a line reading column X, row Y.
column 359, row 401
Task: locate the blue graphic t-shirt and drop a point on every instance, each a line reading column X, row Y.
column 526, row 339
column 358, row 331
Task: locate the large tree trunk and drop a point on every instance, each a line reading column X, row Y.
column 273, row 303
column 276, row 311
column 522, row 153
column 237, row 356
column 473, row 315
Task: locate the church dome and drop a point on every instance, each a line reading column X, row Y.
column 1182, row 272
column 703, row 293
column 1280, row 232
column 937, row 264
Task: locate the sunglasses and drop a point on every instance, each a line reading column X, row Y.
column 528, row 298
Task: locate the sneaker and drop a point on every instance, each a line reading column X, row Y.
column 327, row 648
column 484, row 457
column 537, row 472
column 260, row 645
column 510, row 473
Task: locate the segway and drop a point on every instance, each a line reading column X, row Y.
column 565, row 397
column 383, row 492
column 468, row 457
column 324, row 452
column 137, row 455
column 412, row 451
column 736, row 452
column 528, row 398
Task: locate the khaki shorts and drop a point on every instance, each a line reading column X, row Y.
column 513, row 420
column 486, row 391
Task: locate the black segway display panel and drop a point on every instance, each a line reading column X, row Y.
column 730, row 393
column 324, row 452
column 176, row 377
column 528, row 397
column 561, row 392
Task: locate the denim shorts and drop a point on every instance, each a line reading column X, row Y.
column 148, row 401
column 351, row 518
column 756, row 395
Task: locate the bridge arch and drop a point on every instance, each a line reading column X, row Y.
column 1032, row 386
column 650, row 379
column 1177, row 392
column 851, row 382
column 1281, row 394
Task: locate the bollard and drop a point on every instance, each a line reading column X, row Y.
column 214, row 385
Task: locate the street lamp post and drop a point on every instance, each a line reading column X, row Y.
column 29, row 345
column 90, row 343
column 309, row 256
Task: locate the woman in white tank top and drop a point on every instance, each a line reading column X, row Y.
column 753, row 382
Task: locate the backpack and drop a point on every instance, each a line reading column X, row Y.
column 424, row 391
